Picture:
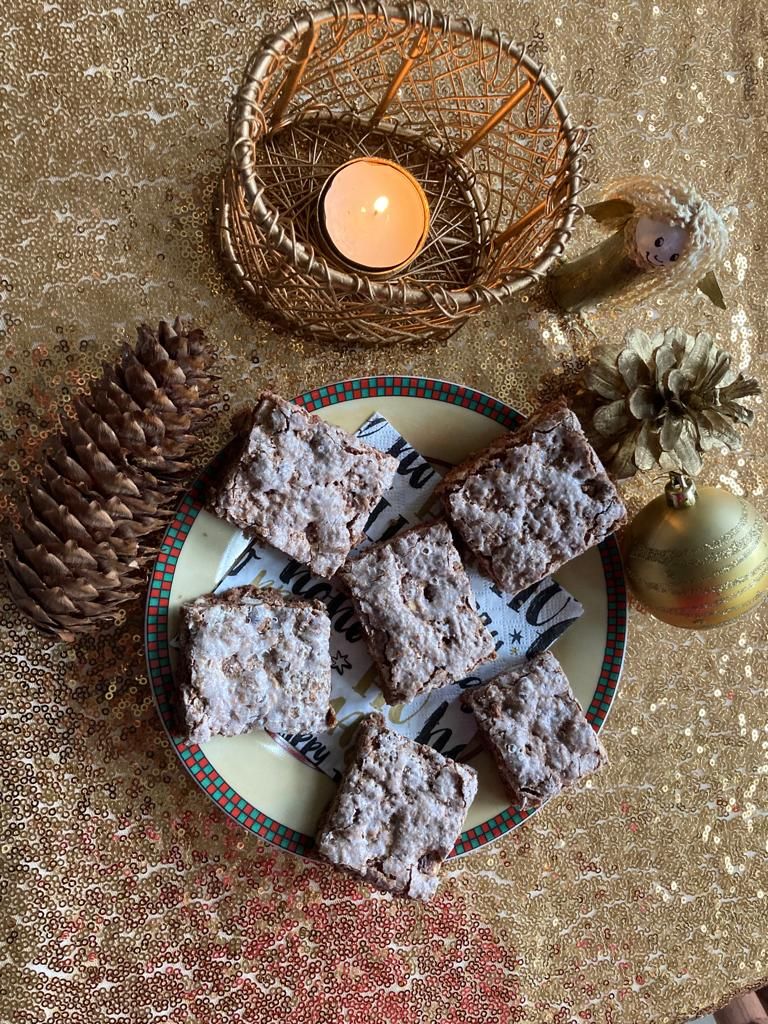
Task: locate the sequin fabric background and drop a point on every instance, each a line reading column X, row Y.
column 127, row 896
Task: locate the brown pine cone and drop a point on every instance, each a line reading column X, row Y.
column 109, row 481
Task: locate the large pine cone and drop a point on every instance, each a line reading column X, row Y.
column 110, row 478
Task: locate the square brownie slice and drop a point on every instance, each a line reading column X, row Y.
column 397, row 812
column 417, row 611
column 532, row 501
column 300, row 484
column 536, row 730
column 252, row 659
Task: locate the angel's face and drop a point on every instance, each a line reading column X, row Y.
column 659, row 243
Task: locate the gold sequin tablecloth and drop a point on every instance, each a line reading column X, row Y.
column 126, row 894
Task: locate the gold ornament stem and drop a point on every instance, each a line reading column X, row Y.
column 600, row 273
column 680, row 492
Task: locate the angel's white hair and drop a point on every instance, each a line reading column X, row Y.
column 673, row 201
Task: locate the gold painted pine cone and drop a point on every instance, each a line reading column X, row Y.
column 663, row 400
column 110, row 478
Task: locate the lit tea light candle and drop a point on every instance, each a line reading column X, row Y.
column 374, row 215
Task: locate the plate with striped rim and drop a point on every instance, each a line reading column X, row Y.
column 259, row 784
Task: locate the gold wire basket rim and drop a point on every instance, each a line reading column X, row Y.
column 304, row 256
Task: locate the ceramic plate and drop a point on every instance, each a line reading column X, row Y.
column 259, row 784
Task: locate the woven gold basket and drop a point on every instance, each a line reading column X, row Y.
column 462, row 107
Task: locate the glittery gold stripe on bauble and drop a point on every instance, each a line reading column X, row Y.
column 697, row 558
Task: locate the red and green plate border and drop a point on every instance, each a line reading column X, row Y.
column 158, row 600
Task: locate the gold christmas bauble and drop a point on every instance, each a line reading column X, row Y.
column 697, row 558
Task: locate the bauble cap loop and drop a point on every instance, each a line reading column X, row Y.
column 680, row 491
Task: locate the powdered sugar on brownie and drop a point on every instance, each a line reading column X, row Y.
column 418, row 612
column 397, row 812
column 253, row 659
column 302, row 485
column 532, row 501
column 536, row 730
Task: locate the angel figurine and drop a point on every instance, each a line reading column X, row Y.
column 665, row 236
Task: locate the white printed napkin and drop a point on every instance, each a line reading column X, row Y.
column 522, row 625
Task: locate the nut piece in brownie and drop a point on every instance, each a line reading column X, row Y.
column 251, row 658
column 532, row 500
column 300, row 484
column 536, row 730
column 417, row 611
column 397, row 812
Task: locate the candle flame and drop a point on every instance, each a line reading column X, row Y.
column 380, row 204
